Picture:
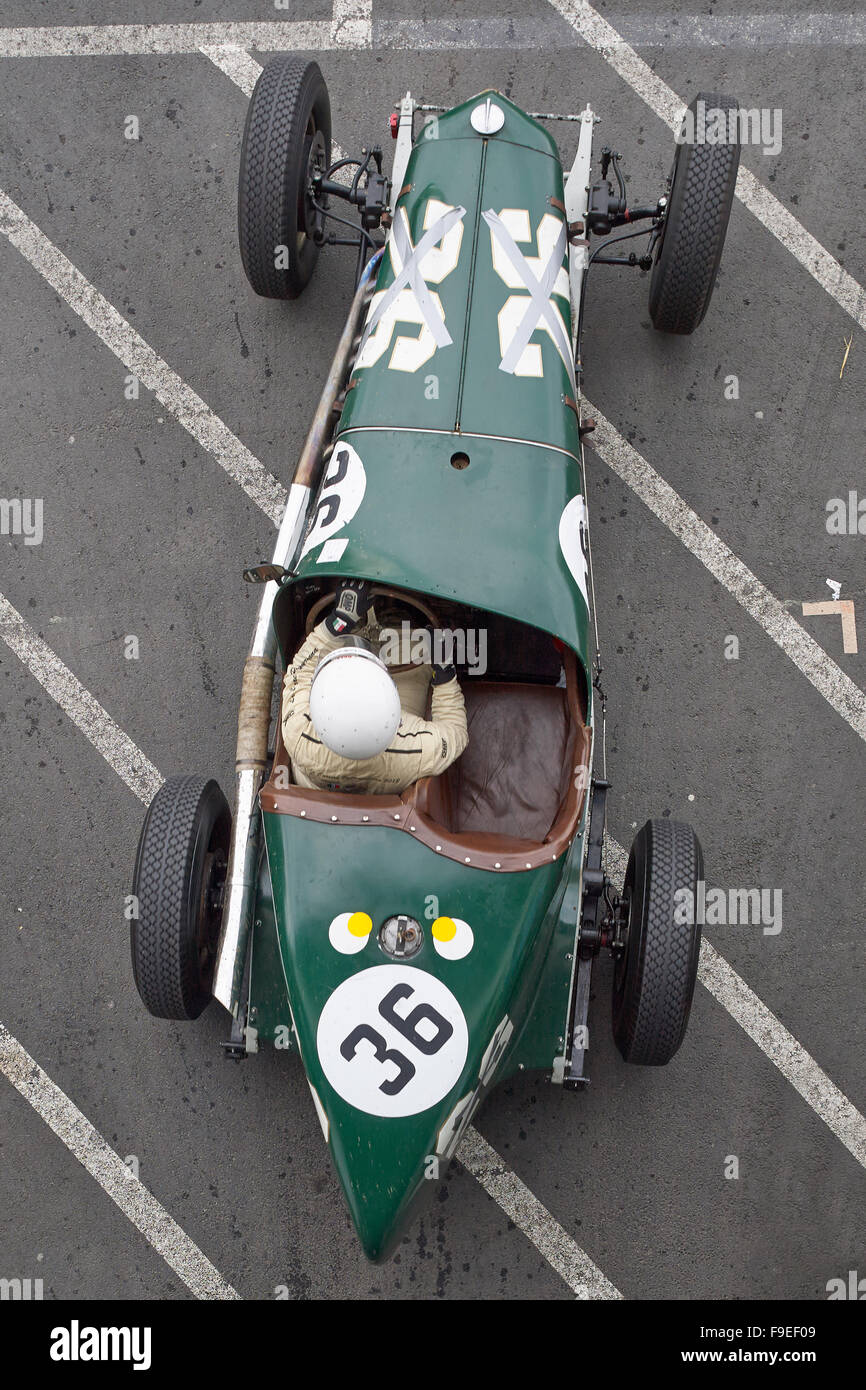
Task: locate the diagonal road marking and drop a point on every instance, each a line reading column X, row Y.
column 85, row 711
column 238, row 64
column 128, row 1192
column 837, row 688
column 140, row 359
column 663, row 100
column 572, row 1264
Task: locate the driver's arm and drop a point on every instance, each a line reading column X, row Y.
column 440, row 739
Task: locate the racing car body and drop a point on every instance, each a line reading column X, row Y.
column 416, row 949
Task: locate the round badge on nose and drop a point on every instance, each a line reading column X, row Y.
column 400, row 937
column 487, row 118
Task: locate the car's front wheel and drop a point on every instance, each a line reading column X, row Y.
column 287, row 138
column 178, row 882
column 701, row 192
column 655, row 974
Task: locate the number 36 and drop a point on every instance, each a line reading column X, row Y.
column 407, row 1027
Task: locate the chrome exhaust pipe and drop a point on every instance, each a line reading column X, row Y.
column 254, row 712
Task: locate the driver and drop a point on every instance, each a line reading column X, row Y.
column 348, row 725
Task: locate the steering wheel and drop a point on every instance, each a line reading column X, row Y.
column 378, row 591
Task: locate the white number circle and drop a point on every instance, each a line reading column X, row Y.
column 392, row 1040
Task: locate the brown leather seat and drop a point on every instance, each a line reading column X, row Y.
column 514, row 775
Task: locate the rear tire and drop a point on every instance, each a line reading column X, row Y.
column 287, row 134
column 179, row 873
column 699, row 207
column 655, row 977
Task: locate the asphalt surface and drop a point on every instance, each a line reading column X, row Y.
column 146, row 535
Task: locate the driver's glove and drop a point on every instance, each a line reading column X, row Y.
column 351, row 608
column 443, row 674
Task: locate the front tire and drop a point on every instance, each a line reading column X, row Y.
column 699, row 208
column 655, row 976
column 179, row 874
column 286, row 137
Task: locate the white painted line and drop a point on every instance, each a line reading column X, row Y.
column 139, row 359
column 783, row 1050
column 89, row 40
column 352, row 23
column 128, row 1193
column 771, row 1035
column 118, row 750
column 350, row 26
column 665, row 30
column 564, row 1255
column 734, row 30
column 846, row 698
column 805, row 248
column 244, row 71
column 236, row 63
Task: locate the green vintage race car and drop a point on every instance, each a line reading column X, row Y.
column 417, row 949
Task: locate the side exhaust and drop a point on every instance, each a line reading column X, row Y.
column 254, row 713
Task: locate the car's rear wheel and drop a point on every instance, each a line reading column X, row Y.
column 655, row 975
column 693, row 234
column 287, row 137
column 179, row 874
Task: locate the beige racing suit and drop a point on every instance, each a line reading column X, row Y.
column 420, row 748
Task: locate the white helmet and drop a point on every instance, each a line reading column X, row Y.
column 354, row 704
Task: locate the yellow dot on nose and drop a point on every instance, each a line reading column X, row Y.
column 359, row 924
column 444, row 928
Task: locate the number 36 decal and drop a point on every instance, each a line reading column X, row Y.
column 392, row 1040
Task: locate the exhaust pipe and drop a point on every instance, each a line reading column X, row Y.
column 254, row 713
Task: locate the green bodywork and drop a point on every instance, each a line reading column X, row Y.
column 486, row 535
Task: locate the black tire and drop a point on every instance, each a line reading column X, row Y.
column 287, row 132
column 179, row 870
column 699, row 207
column 655, row 977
